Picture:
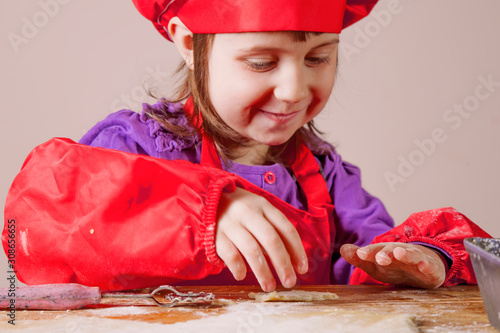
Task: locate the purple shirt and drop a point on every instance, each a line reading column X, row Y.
column 359, row 216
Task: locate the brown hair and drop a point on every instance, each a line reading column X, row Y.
column 195, row 84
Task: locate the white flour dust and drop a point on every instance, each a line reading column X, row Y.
column 240, row 318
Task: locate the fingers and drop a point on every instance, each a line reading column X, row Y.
column 255, row 228
column 250, row 228
column 410, row 256
column 231, row 257
column 398, row 263
column 244, row 245
column 433, row 274
column 281, row 242
column 433, row 266
column 378, row 254
column 427, row 268
column 384, row 255
column 270, row 241
column 349, row 253
column 290, row 238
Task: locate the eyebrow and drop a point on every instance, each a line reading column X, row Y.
column 270, row 48
column 332, row 42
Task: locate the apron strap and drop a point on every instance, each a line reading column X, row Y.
column 309, row 176
column 209, row 155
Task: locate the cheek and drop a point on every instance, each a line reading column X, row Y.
column 328, row 79
column 233, row 95
column 323, row 88
column 229, row 103
column 227, row 83
column 219, row 89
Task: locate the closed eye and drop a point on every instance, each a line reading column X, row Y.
column 316, row 61
column 259, row 66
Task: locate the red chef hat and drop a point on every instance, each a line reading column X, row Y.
column 224, row 16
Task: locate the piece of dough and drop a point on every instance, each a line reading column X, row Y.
column 292, row 296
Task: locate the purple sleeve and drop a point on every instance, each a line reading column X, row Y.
column 123, row 130
column 359, row 216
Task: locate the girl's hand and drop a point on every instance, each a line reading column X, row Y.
column 398, row 263
column 250, row 227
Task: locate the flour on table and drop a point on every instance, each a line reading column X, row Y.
column 242, row 317
column 292, row 296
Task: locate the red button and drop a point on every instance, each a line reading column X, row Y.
column 269, row 177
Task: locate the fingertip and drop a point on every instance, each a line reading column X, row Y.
column 240, row 272
column 399, row 253
column 424, row 267
column 348, row 252
column 290, row 281
column 303, row 266
column 383, row 259
column 348, row 248
column 362, row 253
column 268, row 286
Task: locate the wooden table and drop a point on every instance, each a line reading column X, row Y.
column 448, row 309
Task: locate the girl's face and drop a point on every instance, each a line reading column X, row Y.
column 266, row 86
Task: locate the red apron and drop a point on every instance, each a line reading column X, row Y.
column 315, row 226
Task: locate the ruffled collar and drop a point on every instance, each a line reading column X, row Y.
column 165, row 140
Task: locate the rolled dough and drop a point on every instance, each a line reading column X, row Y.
column 292, row 296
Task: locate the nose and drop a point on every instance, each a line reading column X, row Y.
column 291, row 85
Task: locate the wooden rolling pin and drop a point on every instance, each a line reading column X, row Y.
column 72, row 296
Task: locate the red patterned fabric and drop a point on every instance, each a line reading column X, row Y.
column 226, row 16
column 444, row 228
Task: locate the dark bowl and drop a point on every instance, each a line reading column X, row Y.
column 485, row 256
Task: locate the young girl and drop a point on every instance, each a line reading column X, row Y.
column 232, row 186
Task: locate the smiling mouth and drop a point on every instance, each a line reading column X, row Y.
column 280, row 117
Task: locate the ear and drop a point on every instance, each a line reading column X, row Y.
column 183, row 39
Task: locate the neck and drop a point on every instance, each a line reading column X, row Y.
column 253, row 155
